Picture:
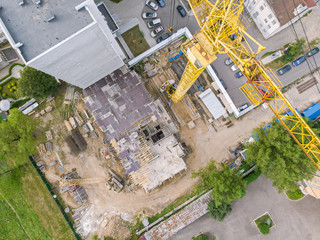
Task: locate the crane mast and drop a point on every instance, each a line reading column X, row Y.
column 223, row 31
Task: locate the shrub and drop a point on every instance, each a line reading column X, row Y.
column 0, row 87
column 9, row 86
column 12, row 84
column 264, row 228
column 294, row 194
column 11, row 90
column 4, row 94
column 252, row 176
column 219, row 212
column 200, row 237
column 15, row 88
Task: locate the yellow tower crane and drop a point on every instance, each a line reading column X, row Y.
column 223, row 30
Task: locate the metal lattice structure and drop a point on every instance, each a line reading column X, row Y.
column 223, row 31
column 74, row 181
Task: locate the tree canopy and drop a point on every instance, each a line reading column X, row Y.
column 17, row 140
column 36, row 84
column 219, row 212
column 226, row 184
column 279, row 157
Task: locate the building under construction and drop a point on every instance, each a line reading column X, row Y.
column 136, row 128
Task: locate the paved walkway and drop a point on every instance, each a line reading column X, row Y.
column 295, row 220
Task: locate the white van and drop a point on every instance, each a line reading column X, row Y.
column 234, row 68
column 154, row 23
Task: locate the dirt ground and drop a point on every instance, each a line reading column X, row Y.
column 109, row 207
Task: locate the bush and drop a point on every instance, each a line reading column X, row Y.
column 8, row 86
column 294, row 194
column 252, row 176
column 219, row 212
column 4, row 94
column 264, row 228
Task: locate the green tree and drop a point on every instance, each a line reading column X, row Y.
column 226, row 184
column 219, row 212
column 36, row 84
column 279, row 157
column 17, row 139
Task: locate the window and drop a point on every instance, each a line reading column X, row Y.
column 255, row 15
column 261, row 8
column 268, row 27
column 265, row 20
column 270, row 16
column 274, row 22
column 253, row 2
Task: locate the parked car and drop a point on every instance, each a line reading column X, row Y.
column 157, row 31
column 228, row 61
column 284, row 69
column 163, row 37
column 298, row 61
column 154, row 23
column 181, row 10
column 234, row 68
column 161, row 3
column 223, row 84
column 239, row 74
column 313, row 52
column 243, row 107
column 152, row 5
column 149, row 15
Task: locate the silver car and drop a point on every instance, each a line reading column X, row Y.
column 152, row 5
column 157, row 31
column 149, row 15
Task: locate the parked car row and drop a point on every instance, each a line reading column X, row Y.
column 298, row 61
column 234, row 68
column 156, row 22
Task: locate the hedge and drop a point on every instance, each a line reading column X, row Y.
column 10, row 70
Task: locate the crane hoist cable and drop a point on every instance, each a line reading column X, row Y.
column 299, row 41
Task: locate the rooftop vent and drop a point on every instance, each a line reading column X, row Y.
column 36, row 2
column 20, row 2
column 49, row 17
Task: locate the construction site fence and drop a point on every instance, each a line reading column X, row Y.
column 48, row 185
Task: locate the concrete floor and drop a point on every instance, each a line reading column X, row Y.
column 295, row 220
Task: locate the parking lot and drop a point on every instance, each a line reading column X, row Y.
column 232, row 83
column 295, row 220
column 170, row 16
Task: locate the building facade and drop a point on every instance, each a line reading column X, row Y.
column 272, row 16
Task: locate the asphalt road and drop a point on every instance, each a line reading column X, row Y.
column 294, row 220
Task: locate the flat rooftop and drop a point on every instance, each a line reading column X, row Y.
column 27, row 23
column 118, row 101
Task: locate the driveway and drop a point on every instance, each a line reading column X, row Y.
column 295, row 220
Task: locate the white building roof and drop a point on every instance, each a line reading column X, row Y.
column 212, row 103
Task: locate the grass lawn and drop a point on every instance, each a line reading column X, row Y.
column 24, row 197
column 294, row 194
column 135, row 41
column 6, row 90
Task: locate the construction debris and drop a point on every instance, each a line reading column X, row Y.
column 68, row 125
column 49, row 135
